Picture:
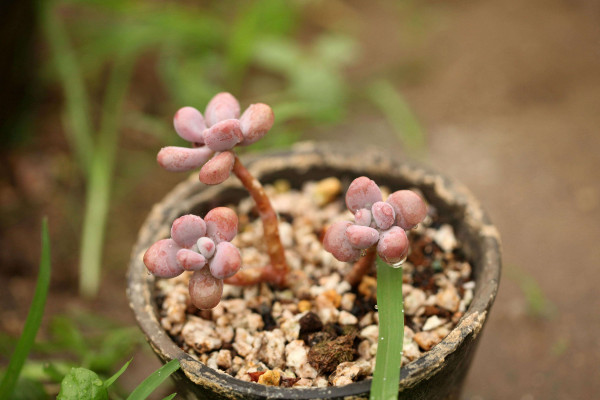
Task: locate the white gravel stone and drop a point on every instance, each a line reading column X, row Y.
column 366, row 320
column 243, row 342
column 345, row 318
column 433, row 322
column 444, row 237
column 223, row 359
column 348, row 300
column 201, row 334
column 291, row 327
column 448, row 298
column 272, row 350
column 321, row 381
column 296, row 354
column 413, row 301
column 370, row 333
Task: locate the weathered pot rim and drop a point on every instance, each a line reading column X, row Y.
column 306, row 156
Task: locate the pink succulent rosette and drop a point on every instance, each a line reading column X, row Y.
column 214, row 135
column 202, row 246
column 376, row 223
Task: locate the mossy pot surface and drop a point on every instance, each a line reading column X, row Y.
column 438, row 374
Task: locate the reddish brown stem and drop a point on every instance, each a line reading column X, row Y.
column 276, row 272
column 361, row 267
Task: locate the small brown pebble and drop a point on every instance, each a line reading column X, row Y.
column 281, row 185
column 426, row 340
column 254, row 376
column 270, row 378
column 368, row 287
column 288, row 382
column 456, row 317
column 435, row 310
column 333, row 296
column 327, row 190
column 310, row 323
column 304, row 305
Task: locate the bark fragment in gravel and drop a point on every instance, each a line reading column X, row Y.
column 328, row 354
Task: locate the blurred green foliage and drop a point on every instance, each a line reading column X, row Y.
column 76, row 340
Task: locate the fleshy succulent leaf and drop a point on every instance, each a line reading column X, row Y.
column 223, row 135
column 383, row 214
column 336, row 242
column 161, row 259
column 393, row 245
column 177, row 159
column 255, row 122
column 221, row 107
column 409, row 207
column 186, row 230
column 226, row 261
column 190, row 260
column 363, row 217
column 217, row 170
column 362, row 193
column 362, row 237
column 206, row 247
column 205, row 289
column 221, row 224
column 189, row 124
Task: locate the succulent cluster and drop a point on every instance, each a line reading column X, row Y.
column 377, row 224
column 202, row 246
column 214, row 136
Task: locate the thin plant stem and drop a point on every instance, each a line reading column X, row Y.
column 33, row 322
column 100, row 177
column 362, row 266
column 277, row 271
column 388, row 360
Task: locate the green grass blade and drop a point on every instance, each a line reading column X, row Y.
column 399, row 115
column 77, row 115
column 113, row 378
column 153, row 381
column 100, row 176
column 390, row 305
column 170, row 397
column 33, row 322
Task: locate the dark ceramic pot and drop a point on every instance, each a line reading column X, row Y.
column 438, row 374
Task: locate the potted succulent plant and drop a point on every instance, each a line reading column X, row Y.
column 192, row 230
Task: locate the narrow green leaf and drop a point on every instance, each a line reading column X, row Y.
column 153, row 381
column 100, row 177
column 113, row 378
column 34, row 319
column 399, row 115
column 390, row 305
column 170, row 397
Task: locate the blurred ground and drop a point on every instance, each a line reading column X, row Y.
column 508, row 93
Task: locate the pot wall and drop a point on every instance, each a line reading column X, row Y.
column 439, row 374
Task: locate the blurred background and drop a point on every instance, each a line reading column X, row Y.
column 501, row 95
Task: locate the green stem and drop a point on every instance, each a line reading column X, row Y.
column 390, row 304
